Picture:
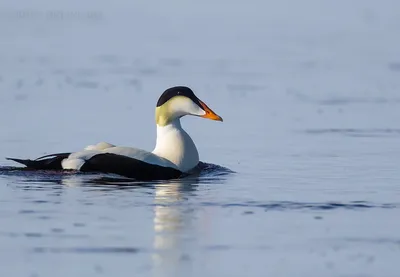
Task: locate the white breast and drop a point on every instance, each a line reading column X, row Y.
column 175, row 145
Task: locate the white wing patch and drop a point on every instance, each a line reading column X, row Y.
column 99, row 146
column 74, row 164
column 76, row 160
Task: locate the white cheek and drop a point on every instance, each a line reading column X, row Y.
column 184, row 106
column 196, row 110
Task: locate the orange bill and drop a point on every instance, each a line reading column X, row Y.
column 209, row 113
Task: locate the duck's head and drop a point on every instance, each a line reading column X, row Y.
column 178, row 101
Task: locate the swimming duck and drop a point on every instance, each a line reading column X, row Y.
column 174, row 155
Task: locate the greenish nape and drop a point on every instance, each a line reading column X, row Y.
column 163, row 116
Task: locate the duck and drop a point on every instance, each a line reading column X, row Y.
column 175, row 154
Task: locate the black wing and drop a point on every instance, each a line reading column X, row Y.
column 129, row 167
column 48, row 162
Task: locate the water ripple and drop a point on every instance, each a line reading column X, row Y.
column 315, row 206
column 88, row 250
column 355, row 132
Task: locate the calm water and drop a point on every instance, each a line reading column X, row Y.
column 309, row 93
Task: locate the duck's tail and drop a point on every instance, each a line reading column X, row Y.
column 47, row 162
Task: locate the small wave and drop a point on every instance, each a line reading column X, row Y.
column 389, row 241
column 88, row 250
column 289, row 205
column 341, row 101
column 355, row 132
column 213, row 170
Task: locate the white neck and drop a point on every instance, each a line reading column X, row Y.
column 174, row 144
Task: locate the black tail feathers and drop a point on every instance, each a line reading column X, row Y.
column 49, row 162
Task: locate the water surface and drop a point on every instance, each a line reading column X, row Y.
column 309, row 93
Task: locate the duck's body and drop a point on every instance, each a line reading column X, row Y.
column 174, row 155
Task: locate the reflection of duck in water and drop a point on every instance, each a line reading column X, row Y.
column 174, row 154
column 175, row 224
column 171, row 222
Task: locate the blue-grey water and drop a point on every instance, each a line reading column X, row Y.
column 309, row 93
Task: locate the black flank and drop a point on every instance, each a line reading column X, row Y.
column 129, row 167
